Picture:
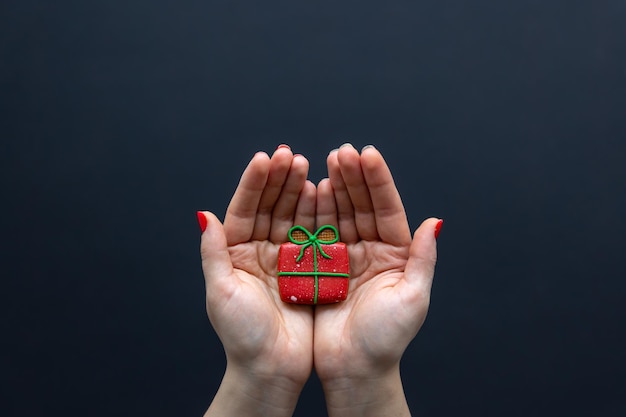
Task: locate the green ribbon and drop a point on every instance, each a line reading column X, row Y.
column 316, row 242
column 313, row 240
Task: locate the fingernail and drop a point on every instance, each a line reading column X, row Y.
column 438, row 228
column 367, row 147
column 202, row 220
column 334, row 150
column 346, row 144
column 283, row 146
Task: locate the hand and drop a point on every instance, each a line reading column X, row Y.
column 267, row 342
column 358, row 343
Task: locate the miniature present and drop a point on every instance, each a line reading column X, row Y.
column 313, row 268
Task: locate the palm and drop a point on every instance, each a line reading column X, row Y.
column 252, row 316
column 389, row 287
column 358, row 332
column 239, row 261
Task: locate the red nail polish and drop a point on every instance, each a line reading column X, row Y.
column 283, row 146
column 438, row 228
column 202, row 220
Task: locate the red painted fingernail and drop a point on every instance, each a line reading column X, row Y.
column 202, row 220
column 283, row 146
column 438, row 228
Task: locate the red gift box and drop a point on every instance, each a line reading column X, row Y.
column 313, row 268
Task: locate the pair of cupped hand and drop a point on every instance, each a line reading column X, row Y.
column 391, row 270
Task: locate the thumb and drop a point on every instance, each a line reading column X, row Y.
column 420, row 267
column 216, row 261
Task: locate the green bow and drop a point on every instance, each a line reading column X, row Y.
column 313, row 240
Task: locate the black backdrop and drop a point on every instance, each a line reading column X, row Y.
column 120, row 119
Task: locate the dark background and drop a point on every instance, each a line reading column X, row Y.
column 120, row 119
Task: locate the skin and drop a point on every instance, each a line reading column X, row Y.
column 356, row 345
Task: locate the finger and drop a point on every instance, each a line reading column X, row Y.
column 279, row 168
column 285, row 208
column 326, row 206
column 241, row 213
column 345, row 210
column 420, row 267
column 389, row 214
column 350, row 166
column 305, row 209
column 216, row 263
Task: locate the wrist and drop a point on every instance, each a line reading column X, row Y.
column 378, row 394
column 253, row 392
